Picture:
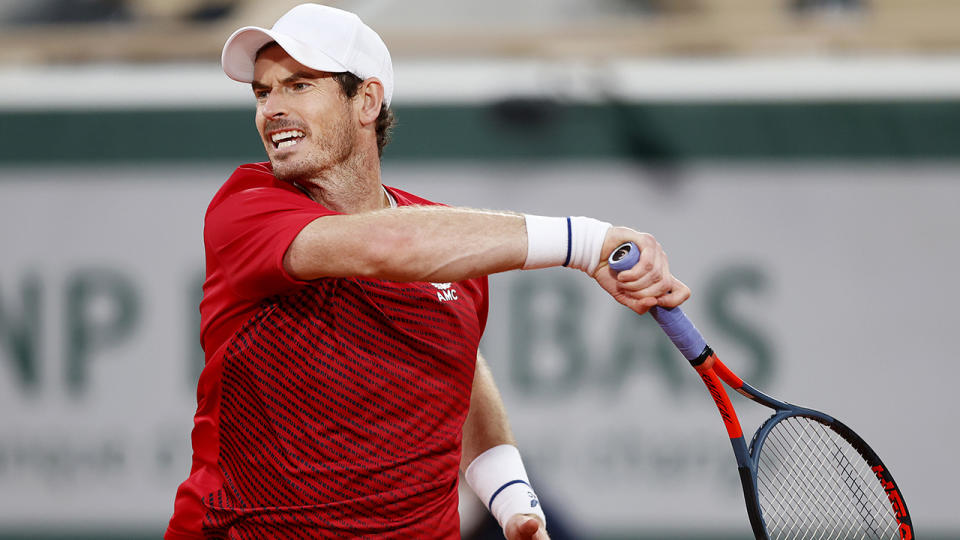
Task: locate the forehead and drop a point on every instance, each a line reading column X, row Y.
column 273, row 59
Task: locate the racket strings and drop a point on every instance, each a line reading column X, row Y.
column 813, row 485
column 829, row 499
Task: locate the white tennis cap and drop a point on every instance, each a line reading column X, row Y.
column 319, row 37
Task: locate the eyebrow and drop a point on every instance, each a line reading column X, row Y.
column 302, row 74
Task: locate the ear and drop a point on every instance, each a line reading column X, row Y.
column 371, row 98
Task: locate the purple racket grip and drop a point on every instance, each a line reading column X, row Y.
column 673, row 321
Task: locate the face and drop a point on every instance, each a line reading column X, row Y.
column 306, row 123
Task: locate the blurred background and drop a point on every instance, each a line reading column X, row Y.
column 797, row 158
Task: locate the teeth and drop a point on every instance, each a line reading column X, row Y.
column 286, row 135
column 285, row 144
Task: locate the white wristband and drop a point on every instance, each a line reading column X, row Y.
column 572, row 241
column 586, row 243
column 546, row 241
column 499, row 479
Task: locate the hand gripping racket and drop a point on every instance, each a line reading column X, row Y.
column 805, row 474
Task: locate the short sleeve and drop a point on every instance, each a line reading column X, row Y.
column 249, row 232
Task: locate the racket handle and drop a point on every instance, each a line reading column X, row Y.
column 673, row 321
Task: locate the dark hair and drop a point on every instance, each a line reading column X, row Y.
column 350, row 84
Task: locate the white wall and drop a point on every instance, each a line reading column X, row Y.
column 840, row 278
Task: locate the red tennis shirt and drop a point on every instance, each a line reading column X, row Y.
column 327, row 409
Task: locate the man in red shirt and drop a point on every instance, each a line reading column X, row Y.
column 343, row 390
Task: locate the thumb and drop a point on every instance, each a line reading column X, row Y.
column 521, row 527
column 529, row 528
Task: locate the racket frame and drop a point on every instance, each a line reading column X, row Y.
column 715, row 374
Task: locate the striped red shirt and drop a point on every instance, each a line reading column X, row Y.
column 326, row 409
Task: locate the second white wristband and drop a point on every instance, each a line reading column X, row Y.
column 499, row 479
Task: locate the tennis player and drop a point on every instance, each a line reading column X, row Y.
column 343, row 389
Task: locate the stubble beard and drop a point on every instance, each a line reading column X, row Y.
column 324, row 159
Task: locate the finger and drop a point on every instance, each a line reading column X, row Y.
column 638, row 305
column 678, row 294
column 649, row 252
column 647, row 272
column 656, row 290
column 648, row 262
column 652, row 278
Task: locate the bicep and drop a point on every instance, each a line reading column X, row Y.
column 336, row 246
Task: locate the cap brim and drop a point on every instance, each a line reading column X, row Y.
column 240, row 53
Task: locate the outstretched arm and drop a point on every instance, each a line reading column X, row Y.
column 487, row 427
column 443, row 244
column 410, row 243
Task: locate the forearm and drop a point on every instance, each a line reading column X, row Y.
column 420, row 243
column 491, row 462
column 486, row 425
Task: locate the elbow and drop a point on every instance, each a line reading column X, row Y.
column 296, row 263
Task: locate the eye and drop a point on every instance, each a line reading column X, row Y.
column 261, row 94
column 299, row 86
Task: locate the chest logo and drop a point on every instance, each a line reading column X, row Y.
column 445, row 292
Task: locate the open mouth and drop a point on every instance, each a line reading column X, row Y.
column 286, row 139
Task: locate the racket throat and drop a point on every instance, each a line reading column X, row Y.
column 722, row 400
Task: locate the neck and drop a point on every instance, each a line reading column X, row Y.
column 350, row 188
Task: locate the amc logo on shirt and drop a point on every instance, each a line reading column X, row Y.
column 445, row 292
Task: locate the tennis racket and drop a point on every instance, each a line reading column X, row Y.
column 805, row 475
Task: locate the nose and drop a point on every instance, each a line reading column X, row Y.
column 275, row 106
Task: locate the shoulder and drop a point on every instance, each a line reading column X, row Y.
column 252, row 178
column 250, row 175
